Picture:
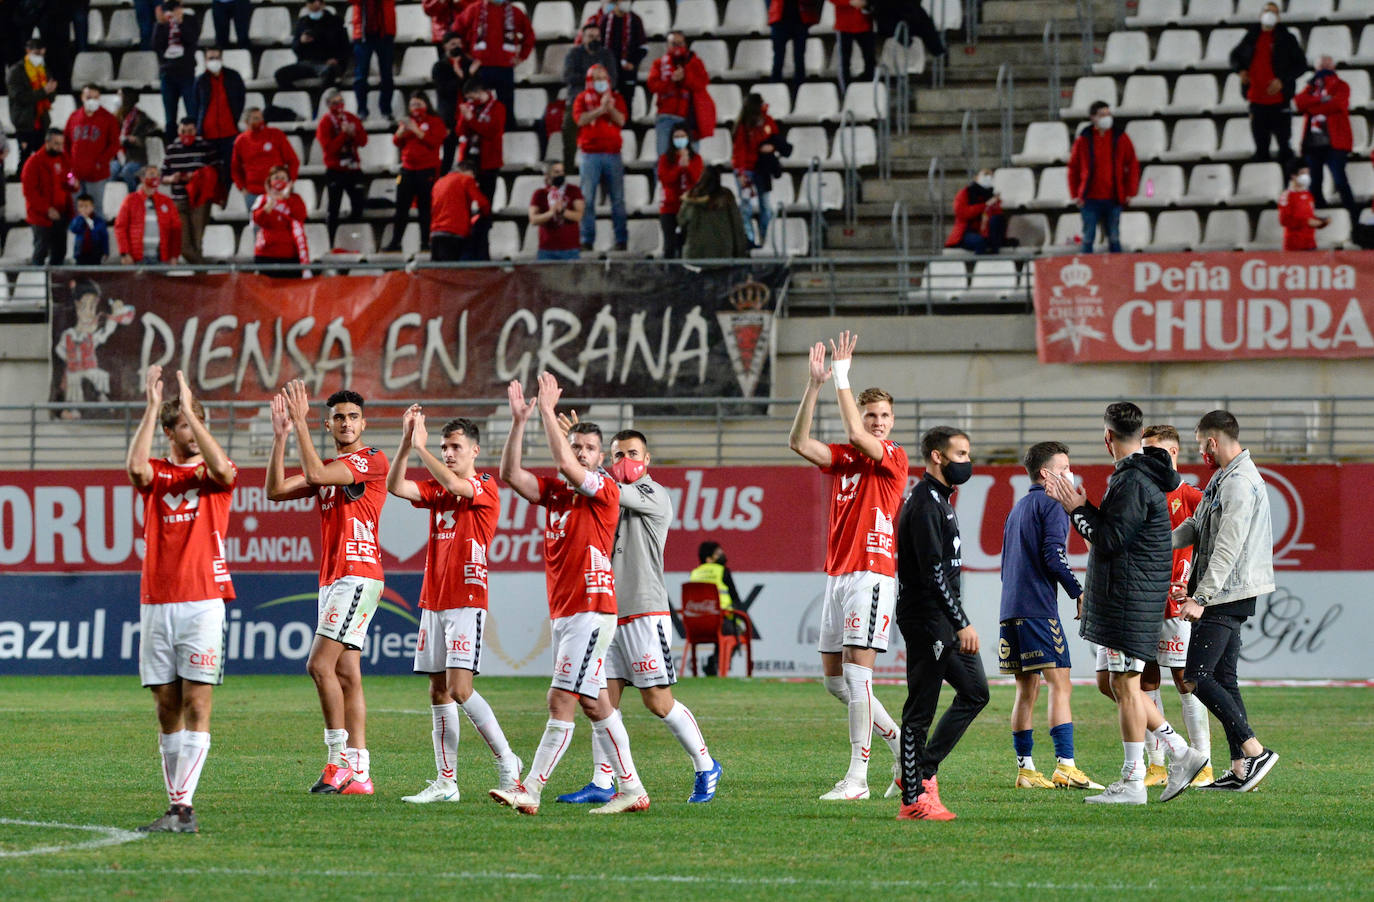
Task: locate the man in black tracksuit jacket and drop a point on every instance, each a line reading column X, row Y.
column 941, row 644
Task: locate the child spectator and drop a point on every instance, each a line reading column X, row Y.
column 90, row 234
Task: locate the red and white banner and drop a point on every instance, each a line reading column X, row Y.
column 1224, row 306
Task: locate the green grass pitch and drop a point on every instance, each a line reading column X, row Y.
column 83, row 751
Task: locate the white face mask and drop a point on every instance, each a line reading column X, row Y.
column 985, row 181
column 91, row 105
column 1304, row 181
column 315, row 13
column 1269, row 19
column 681, row 143
column 213, row 66
column 35, row 59
column 601, row 87
column 1105, row 122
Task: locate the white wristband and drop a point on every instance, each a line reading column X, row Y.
column 840, row 369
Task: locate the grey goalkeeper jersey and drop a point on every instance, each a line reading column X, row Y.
column 646, row 512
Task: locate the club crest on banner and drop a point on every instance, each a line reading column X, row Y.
column 748, row 331
column 1075, row 305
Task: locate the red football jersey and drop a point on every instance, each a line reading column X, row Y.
column 185, row 520
column 866, row 496
column 1182, row 502
column 349, row 516
column 459, row 531
column 578, row 541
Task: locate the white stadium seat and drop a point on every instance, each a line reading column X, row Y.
column 754, row 59
column 807, row 141
column 554, row 19
column 1220, row 43
column 830, row 187
column 1268, row 232
column 1086, row 91
column 503, row 241
column 816, row 102
column 1127, row 51
column 1236, row 141
column 270, row 25
column 1160, row 186
column 697, row 17
column 714, row 55
column 745, row 17
column 1226, row 230
column 993, row 280
column 1207, row 12
column 1053, row 191
column 865, row 147
column 777, row 97
column 1032, row 230
column 1149, row 138
column 1336, row 233
column 1232, row 97
column 1209, row 184
column 656, row 15
column 1330, row 39
column 1178, row 48
column 1176, row 230
column 1046, row 142
column 520, row 150
column 137, row 69
column 1309, row 10
column 1157, row 12
column 1135, row 230
column 1194, row 94
column 1144, row 95
column 944, row 280
column 728, row 100
column 1015, row 185
column 123, row 30
column 1193, row 139
column 416, row 65
column 94, row 67
column 867, row 100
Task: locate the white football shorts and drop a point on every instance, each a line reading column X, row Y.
column 1173, row 642
column 857, row 611
column 182, row 640
column 347, row 606
column 579, row 652
column 450, row 639
column 1113, row 661
column 640, row 653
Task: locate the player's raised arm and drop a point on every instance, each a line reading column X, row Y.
column 513, row 474
column 842, row 353
column 396, row 482
column 450, row 481
column 563, row 456
column 280, row 487
column 141, row 448
column 217, row 463
column 316, row 471
column 800, row 441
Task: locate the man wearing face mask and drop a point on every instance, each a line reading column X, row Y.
column 622, row 32
column 48, row 191
column 148, row 227
column 1298, row 213
column 556, row 209
column 499, row 36
column 1129, row 567
column 189, row 168
column 1269, row 60
column 1104, row 175
column 31, row 90
column 1326, row 135
column 92, row 142
column 453, row 70
column 321, row 47
column 341, row 136
column 1031, row 642
column 600, row 115
column 220, row 97
column 1233, row 564
column 588, row 52
column 941, row 643
column 257, row 151
column 979, row 224
column 678, row 82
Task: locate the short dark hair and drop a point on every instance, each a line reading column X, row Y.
column 705, row 550
column 1039, row 454
column 466, row 165
column 90, row 86
column 84, row 196
column 586, row 428
column 473, row 85
column 937, row 438
column 1124, row 419
column 1162, row 431
column 1097, row 106
column 1219, row 421
column 170, row 412
column 186, row 120
column 35, row 44
column 463, row 426
column 623, row 434
column 450, row 35
column 422, row 97
column 171, row 4
column 55, row 131
column 344, row 396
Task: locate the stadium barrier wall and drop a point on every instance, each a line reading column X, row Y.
column 71, row 549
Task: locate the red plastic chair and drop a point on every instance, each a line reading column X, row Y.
column 703, row 622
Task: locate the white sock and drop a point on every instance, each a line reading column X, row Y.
column 1170, row 740
column 484, row 720
column 859, row 681
column 1025, row 761
column 618, row 747
column 886, row 727
column 336, row 741
column 195, row 747
column 359, row 761
column 445, row 738
column 835, row 686
column 603, row 776
column 1152, row 745
column 1133, row 766
column 1067, row 762
column 552, row 745
column 684, row 726
column 169, row 746
column 1198, row 724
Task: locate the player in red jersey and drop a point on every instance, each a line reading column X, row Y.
column 184, row 585
column 464, row 506
column 856, row 615
column 351, row 488
column 1176, row 632
column 582, row 507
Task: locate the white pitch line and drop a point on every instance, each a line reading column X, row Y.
column 114, row 836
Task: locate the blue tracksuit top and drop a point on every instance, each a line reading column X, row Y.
column 1033, row 558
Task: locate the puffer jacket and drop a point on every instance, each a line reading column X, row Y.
column 1232, row 537
column 1132, row 555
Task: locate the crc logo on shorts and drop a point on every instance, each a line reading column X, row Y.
column 332, row 616
column 461, row 644
column 564, row 665
column 207, row 658
column 853, row 622
column 646, row 664
column 1173, row 645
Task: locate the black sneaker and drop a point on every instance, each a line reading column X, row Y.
column 621, row 246
column 186, row 820
column 165, row 824
column 1257, row 767
column 1227, row 781
column 587, row 247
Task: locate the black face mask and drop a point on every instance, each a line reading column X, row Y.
column 557, row 181
column 721, row 559
column 53, row 153
column 455, row 52
column 956, row 472
column 593, row 46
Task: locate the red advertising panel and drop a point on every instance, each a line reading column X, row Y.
column 1229, row 306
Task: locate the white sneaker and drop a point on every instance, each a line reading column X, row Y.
column 1122, row 792
column 508, row 771
column 1182, row 772
column 436, row 791
column 894, row 788
column 845, row 791
column 519, row 798
column 623, row 802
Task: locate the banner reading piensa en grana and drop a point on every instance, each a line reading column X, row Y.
column 1229, row 306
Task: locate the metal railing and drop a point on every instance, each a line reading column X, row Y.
column 935, row 193
column 969, row 142
column 1086, row 33
column 737, row 431
column 901, row 240
column 1006, row 110
column 1053, row 61
column 900, row 98
column 815, row 195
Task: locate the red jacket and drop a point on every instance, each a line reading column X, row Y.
column 748, row 140
column 850, row 20
column 444, row 15
column 45, row 183
column 419, row 154
column 281, row 228
column 1326, row 101
column 677, row 179
column 256, row 152
column 92, row 142
column 483, row 134
column 453, row 197
column 129, row 223
column 340, row 148
column 1296, row 210
column 486, row 37
column 388, row 18
column 687, row 98
column 601, row 135
column 804, row 10
column 969, row 215
column 1087, row 172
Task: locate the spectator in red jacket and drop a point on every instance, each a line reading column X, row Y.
column 853, row 22
column 678, row 82
column 756, row 135
column 622, row 32
column 1103, row 175
column 420, row 136
column 789, row 21
column 678, row 170
column 498, row 34
column 279, row 214
column 600, row 114
column 979, row 223
column 556, row 209
column 148, row 227
column 443, row 15
column 374, row 32
column 48, row 188
column 1298, row 213
column 341, row 137
column 453, row 231
column 220, row 96
column 1326, row 137
column 92, row 142
column 481, row 129
column 256, row 151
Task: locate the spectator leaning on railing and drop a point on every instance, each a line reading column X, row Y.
column 678, row 170
column 1298, row 213
column 279, row 214
column 256, row 151
column 678, row 82
column 419, row 138
column 1269, row 60
column 92, row 134
column 601, row 114
column 189, row 169
column 135, row 127
column 341, row 136
column 498, row 34
column 1326, row 136
column 588, row 52
column 220, row 97
column 148, row 227
column 374, row 32
column 175, row 40
column 556, row 209
column 321, row 46
column 1103, row 174
column 48, row 189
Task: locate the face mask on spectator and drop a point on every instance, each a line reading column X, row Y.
column 315, row 13
column 214, row 66
column 985, row 181
column 1104, row 122
column 677, row 51
column 151, row 181
column 601, row 86
column 557, row 181
column 337, row 107
column 455, row 51
column 593, row 44
column 35, row 59
column 91, row 105
column 1304, row 181
column 1269, row 19
column 680, row 142
column 186, row 139
column 278, row 184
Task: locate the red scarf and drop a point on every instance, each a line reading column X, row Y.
column 126, row 128
column 348, row 151
column 38, row 77
column 508, row 43
column 608, row 32
column 472, row 142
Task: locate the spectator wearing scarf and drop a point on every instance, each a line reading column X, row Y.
column 341, row 137
column 1326, row 135
column 481, row 128
column 499, row 36
column 622, row 32
column 279, row 214
column 31, row 91
column 678, row 82
column 175, row 40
